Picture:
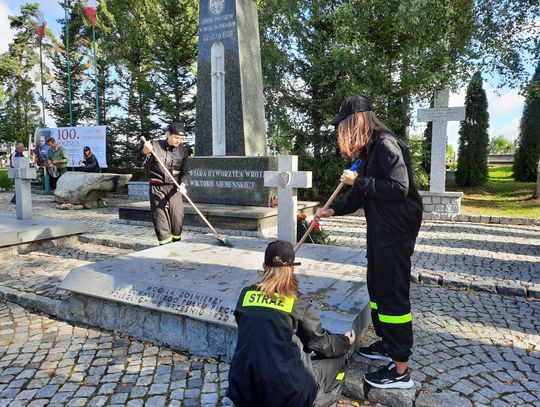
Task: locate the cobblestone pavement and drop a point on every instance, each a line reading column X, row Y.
column 477, row 344
column 44, row 362
column 493, row 258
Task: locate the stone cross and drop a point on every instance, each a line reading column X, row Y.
column 287, row 179
column 22, row 174
column 440, row 115
column 218, row 99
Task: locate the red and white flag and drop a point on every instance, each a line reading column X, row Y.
column 41, row 25
column 91, row 11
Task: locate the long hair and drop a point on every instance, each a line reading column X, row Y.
column 354, row 132
column 280, row 280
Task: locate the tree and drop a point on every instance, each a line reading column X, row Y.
column 19, row 112
column 500, row 145
column 472, row 168
column 450, row 151
column 79, row 52
column 528, row 149
column 537, row 189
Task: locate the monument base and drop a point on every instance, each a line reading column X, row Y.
column 441, row 205
column 184, row 294
column 19, row 231
column 254, row 221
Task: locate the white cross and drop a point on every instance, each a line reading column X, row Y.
column 440, row 115
column 287, row 179
column 22, row 173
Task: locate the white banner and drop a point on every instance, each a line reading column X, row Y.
column 74, row 139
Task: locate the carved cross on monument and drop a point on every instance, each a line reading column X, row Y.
column 287, row 179
column 440, row 115
column 22, row 173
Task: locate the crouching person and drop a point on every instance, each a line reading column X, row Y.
column 283, row 355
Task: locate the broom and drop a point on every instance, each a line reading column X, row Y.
column 220, row 238
column 354, row 167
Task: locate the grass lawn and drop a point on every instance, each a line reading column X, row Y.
column 501, row 196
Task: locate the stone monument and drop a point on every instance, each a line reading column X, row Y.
column 438, row 203
column 22, row 173
column 287, row 179
column 230, row 132
column 230, row 103
column 26, row 228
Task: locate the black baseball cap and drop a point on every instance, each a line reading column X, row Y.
column 175, row 128
column 281, row 249
column 86, row 148
column 350, row 105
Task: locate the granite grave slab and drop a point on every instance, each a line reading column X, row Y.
column 18, row 231
column 184, row 294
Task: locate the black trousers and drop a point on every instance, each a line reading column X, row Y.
column 167, row 212
column 388, row 280
column 53, row 180
column 327, row 375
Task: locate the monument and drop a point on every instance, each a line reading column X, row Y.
column 230, row 103
column 438, row 203
column 287, row 179
column 227, row 170
column 22, row 173
column 25, row 228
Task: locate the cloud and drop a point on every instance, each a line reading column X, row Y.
column 6, row 35
column 509, row 130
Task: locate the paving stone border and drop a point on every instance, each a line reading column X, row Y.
column 503, row 220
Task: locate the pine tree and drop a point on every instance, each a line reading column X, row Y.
column 528, row 149
column 79, row 53
column 472, row 168
column 19, row 112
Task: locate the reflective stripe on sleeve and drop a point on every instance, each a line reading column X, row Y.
column 373, row 305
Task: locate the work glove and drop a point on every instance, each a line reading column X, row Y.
column 183, row 189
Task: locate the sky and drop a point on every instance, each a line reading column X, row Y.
column 505, row 105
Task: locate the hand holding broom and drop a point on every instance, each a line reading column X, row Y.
column 149, row 149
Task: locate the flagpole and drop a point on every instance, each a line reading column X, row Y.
column 96, row 74
column 67, row 57
column 42, row 88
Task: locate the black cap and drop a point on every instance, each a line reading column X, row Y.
column 350, row 105
column 284, row 251
column 175, row 128
column 86, row 148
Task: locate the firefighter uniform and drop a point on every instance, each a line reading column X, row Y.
column 393, row 209
column 272, row 366
column 165, row 200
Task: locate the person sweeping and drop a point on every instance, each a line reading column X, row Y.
column 165, row 198
column 273, row 365
column 383, row 186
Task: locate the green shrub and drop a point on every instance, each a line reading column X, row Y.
column 5, row 181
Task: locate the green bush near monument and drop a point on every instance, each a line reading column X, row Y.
column 5, row 181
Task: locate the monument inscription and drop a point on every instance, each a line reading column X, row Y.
column 185, row 302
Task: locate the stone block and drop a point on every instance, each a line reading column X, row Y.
column 485, row 219
column 533, row 291
column 495, row 219
column 430, row 279
column 197, row 337
column 426, row 200
column 130, row 320
column 84, row 187
column 392, row 397
column 436, row 199
column 475, row 218
column 429, row 208
column 353, row 386
column 483, row 285
column 172, row 331
column 511, row 288
column 455, row 282
column 441, row 400
column 505, row 220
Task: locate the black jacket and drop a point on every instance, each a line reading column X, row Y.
column 175, row 160
column 90, row 164
column 271, row 365
column 385, row 189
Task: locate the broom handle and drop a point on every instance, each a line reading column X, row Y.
column 167, row 172
column 326, row 205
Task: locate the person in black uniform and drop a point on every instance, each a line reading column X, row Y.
column 384, row 187
column 90, row 162
column 277, row 332
column 165, row 200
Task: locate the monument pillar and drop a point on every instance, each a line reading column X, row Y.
column 22, row 174
column 230, row 103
